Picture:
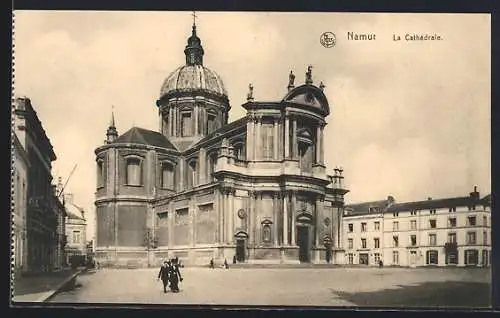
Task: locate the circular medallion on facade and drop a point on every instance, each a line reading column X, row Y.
column 327, row 221
column 242, row 214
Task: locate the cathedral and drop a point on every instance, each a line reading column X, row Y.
column 254, row 190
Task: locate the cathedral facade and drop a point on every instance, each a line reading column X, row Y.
column 254, row 190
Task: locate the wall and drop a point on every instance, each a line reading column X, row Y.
column 131, row 220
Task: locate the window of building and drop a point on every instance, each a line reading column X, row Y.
column 363, row 243
column 76, row 237
column 349, row 243
column 452, row 237
column 212, row 162
column 182, row 212
column 485, row 238
column 433, row 211
column 413, row 240
column 432, row 223
column 191, row 174
column 413, row 224
column 471, row 257
column 266, row 233
column 432, row 239
column 350, row 227
column 100, row 173
column 395, row 214
column 453, row 209
column 134, row 173
column 206, row 208
column 395, row 241
column 186, row 124
column 377, row 225
column 485, row 220
column 376, row 257
column 350, row 258
column 395, row 226
column 431, row 257
column 471, row 238
column 471, row 221
column 363, row 227
column 212, row 123
column 452, row 222
column 239, row 151
column 376, row 242
column 167, row 176
column 413, row 212
column 395, row 257
column 267, row 139
column 451, row 258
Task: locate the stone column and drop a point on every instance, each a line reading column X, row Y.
column 285, row 218
column 257, row 140
column 222, row 211
column 275, row 218
column 318, row 144
column 294, row 210
column 275, row 139
column 202, row 175
column 193, row 211
column 322, row 145
column 250, row 138
column 231, row 216
column 318, row 220
column 295, row 143
column 170, row 121
column 287, row 138
column 250, row 218
column 195, row 117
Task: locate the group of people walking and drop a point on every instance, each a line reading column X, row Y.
column 170, row 274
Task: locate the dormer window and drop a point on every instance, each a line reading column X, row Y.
column 134, row 171
column 212, row 122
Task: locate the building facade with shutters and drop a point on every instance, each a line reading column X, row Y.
column 44, row 214
column 76, row 231
column 433, row 232
column 201, row 187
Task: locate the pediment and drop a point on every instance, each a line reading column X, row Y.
column 309, row 95
column 304, row 217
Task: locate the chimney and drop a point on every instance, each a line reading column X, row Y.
column 68, row 198
column 429, row 198
column 475, row 194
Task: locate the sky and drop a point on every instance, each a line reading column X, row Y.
column 409, row 119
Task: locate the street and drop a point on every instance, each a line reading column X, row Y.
column 394, row 287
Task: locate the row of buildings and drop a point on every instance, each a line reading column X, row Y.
column 451, row 231
column 256, row 189
column 47, row 228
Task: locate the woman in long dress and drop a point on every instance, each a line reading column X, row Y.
column 175, row 276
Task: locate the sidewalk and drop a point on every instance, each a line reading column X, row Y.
column 40, row 288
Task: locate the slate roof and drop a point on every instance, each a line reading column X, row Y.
column 224, row 129
column 141, row 136
column 436, row 204
column 364, row 207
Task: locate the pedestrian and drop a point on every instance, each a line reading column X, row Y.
column 226, row 265
column 234, row 259
column 164, row 275
column 175, row 276
column 380, row 263
column 212, row 263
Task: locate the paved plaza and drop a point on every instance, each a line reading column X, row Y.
column 393, row 287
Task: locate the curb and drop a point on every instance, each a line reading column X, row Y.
column 48, row 295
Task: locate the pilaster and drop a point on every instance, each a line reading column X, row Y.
column 294, row 209
column 295, row 153
column 287, row 137
column 275, row 138
column 275, row 217
column 285, row 218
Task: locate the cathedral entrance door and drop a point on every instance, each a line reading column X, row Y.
column 303, row 242
column 240, row 250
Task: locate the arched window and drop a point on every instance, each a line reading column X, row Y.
column 133, row 173
column 191, row 174
column 186, row 123
column 212, row 161
column 100, row 173
column 167, row 176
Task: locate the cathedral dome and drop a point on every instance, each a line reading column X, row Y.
column 194, row 77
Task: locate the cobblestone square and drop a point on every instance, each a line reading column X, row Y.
column 373, row 287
